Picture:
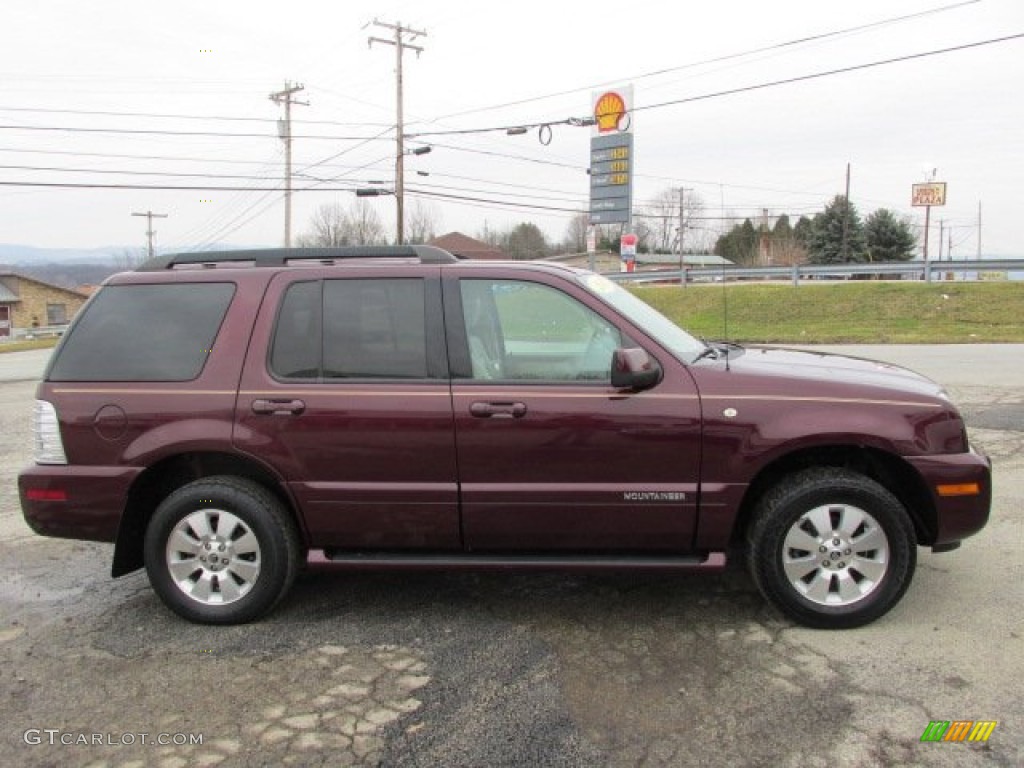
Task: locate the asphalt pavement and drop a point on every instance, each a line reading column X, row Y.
column 519, row 669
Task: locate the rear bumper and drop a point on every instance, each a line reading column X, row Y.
column 959, row 511
column 94, row 499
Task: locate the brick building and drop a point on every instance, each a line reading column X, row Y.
column 27, row 303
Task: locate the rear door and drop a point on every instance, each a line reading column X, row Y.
column 345, row 392
column 551, row 457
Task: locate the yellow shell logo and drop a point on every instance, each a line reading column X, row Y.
column 609, row 112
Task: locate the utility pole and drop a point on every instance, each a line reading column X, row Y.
column 979, row 230
column 942, row 230
column 846, row 217
column 682, row 235
column 403, row 37
column 149, row 227
column 284, row 130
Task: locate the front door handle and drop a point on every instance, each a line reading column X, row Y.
column 278, row 407
column 508, row 410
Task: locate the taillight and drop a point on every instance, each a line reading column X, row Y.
column 46, row 433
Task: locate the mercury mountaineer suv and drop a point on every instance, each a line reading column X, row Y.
column 226, row 419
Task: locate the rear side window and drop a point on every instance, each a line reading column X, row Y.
column 352, row 329
column 144, row 333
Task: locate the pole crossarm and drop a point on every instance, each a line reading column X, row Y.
column 149, row 227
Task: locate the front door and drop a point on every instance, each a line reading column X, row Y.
column 5, row 321
column 551, row 457
column 352, row 406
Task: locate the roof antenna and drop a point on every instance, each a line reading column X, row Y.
column 725, row 318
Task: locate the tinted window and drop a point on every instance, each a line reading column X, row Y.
column 144, row 333
column 295, row 353
column 529, row 331
column 352, row 328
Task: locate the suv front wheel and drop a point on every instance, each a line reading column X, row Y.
column 831, row 548
column 221, row 550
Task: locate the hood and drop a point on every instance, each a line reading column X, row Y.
column 824, row 368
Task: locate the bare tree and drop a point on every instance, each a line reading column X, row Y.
column 576, row 233
column 333, row 226
column 328, row 227
column 129, row 258
column 365, row 225
column 662, row 217
column 421, row 222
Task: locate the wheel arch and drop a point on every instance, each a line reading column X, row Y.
column 169, row 474
column 887, row 469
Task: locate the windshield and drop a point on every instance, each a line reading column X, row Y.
column 668, row 334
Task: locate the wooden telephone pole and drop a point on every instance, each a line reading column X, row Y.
column 285, row 132
column 403, row 36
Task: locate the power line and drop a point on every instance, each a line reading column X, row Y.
column 108, row 113
column 715, row 60
column 157, row 132
column 576, row 121
column 175, row 158
column 830, row 72
column 58, row 169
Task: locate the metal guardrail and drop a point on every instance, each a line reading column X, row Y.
column 913, row 270
column 39, row 332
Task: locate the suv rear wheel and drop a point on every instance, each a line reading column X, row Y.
column 831, row 548
column 221, row 550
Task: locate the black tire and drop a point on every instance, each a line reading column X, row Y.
column 831, row 579
column 221, row 550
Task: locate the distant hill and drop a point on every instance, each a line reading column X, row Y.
column 27, row 254
column 12, row 253
column 72, row 267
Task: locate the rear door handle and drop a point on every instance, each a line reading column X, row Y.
column 279, row 407
column 508, row 410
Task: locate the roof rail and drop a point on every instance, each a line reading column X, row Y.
column 279, row 257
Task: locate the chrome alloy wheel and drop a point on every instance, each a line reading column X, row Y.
column 835, row 555
column 213, row 557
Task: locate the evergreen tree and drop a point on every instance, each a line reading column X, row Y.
column 739, row 244
column 782, row 230
column 837, row 236
column 802, row 231
column 889, row 237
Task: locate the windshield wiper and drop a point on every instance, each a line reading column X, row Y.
column 708, row 351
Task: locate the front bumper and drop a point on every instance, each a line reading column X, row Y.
column 93, row 500
column 959, row 510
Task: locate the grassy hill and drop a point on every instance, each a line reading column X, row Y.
column 855, row 312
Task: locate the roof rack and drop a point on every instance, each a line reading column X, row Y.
column 279, row 257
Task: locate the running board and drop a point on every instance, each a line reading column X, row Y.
column 320, row 559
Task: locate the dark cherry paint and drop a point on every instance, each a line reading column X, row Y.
column 459, row 470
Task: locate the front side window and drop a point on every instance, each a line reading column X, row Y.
column 144, row 333
column 352, row 329
column 519, row 330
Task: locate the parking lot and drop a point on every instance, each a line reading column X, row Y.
column 519, row 669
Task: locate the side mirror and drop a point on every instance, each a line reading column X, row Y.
column 634, row 369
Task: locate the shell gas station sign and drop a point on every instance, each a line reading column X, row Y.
column 611, row 156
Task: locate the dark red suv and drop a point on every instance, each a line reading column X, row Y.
column 228, row 418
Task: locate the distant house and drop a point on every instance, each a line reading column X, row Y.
column 27, row 303
column 467, row 247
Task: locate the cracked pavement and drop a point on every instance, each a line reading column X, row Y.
column 475, row 669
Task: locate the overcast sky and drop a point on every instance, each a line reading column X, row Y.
column 489, row 64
